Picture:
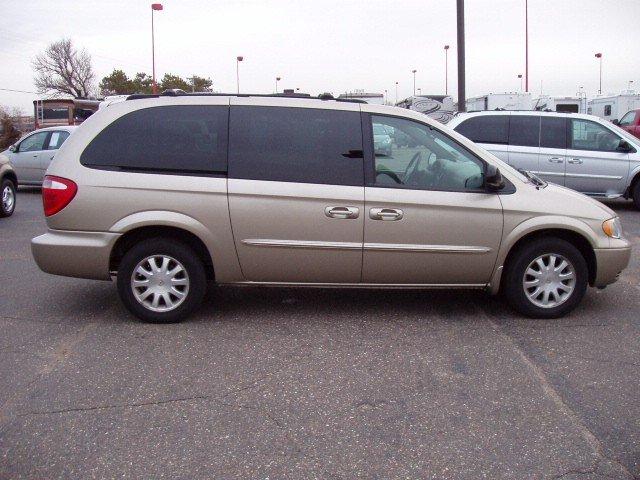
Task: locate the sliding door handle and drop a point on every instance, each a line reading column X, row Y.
column 386, row 214
column 342, row 212
column 575, row 161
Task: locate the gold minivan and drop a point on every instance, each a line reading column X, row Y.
column 169, row 192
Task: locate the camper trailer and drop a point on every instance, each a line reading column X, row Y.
column 500, row 101
column 613, row 107
column 438, row 107
column 547, row 103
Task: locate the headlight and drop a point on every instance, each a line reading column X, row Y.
column 612, row 227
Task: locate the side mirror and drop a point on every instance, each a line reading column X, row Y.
column 615, row 121
column 624, row 146
column 493, row 180
column 13, row 148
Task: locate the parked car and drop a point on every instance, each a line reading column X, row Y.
column 581, row 152
column 167, row 193
column 33, row 153
column 381, row 140
column 8, row 187
column 630, row 122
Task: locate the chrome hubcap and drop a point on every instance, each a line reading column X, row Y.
column 160, row 283
column 8, row 199
column 549, row 280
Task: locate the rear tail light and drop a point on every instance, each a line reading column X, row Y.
column 57, row 192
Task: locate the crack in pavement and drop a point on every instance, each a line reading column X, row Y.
column 550, row 391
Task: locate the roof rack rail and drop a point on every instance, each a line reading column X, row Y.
column 181, row 93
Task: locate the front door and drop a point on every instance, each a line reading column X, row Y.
column 296, row 193
column 594, row 164
column 428, row 219
column 26, row 160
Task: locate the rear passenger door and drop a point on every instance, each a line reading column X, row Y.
column 296, row 192
column 553, row 149
column 524, row 142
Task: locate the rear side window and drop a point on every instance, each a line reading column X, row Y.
column 628, row 119
column 553, row 132
column 173, row 139
column 486, row 129
column 296, row 145
column 57, row 139
column 524, row 130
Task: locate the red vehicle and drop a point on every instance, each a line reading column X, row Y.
column 630, row 122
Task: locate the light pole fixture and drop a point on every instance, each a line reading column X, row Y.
column 239, row 58
column 446, row 69
column 396, row 93
column 599, row 56
column 414, row 81
column 277, row 80
column 520, row 77
column 630, row 84
column 154, row 7
column 419, row 91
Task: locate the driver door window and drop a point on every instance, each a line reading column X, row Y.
column 414, row 156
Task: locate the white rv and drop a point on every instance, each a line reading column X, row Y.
column 500, row 101
column 439, row 107
column 547, row 103
column 373, row 98
column 613, row 107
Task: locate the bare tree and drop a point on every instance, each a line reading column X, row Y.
column 63, row 69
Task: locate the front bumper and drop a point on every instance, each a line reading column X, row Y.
column 74, row 254
column 609, row 263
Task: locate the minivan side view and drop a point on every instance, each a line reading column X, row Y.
column 581, row 152
column 169, row 193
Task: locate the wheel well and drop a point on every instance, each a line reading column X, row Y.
column 577, row 240
column 11, row 176
column 632, row 185
column 131, row 238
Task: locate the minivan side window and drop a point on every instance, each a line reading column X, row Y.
column 291, row 144
column 486, row 129
column 524, row 130
column 553, row 132
column 588, row 135
column 182, row 139
column 422, row 158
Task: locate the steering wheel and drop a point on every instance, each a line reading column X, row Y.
column 389, row 174
column 412, row 167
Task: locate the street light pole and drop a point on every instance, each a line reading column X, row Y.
column 385, row 96
column 239, row 58
column 277, row 80
column 396, row 93
column 154, row 7
column 599, row 56
column 526, row 46
column 461, row 74
column 414, row 81
column 446, row 69
column 520, row 77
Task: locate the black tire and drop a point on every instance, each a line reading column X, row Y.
column 7, row 211
column 635, row 194
column 195, row 272
column 519, row 263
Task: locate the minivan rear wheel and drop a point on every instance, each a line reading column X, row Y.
column 7, row 198
column 161, row 281
column 546, row 278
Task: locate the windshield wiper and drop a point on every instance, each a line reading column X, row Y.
column 533, row 178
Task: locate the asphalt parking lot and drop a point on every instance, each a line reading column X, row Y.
column 282, row 383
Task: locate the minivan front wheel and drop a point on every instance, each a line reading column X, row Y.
column 546, row 278
column 161, row 281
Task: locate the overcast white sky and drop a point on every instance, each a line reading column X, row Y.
column 333, row 45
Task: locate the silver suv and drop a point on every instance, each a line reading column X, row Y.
column 167, row 193
column 581, row 152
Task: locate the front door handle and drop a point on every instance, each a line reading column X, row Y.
column 575, row 161
column 342, row 212
column 556, row 160
column 386, row 214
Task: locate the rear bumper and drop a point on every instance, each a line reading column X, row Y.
column 609, row 263
column 74, row 254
